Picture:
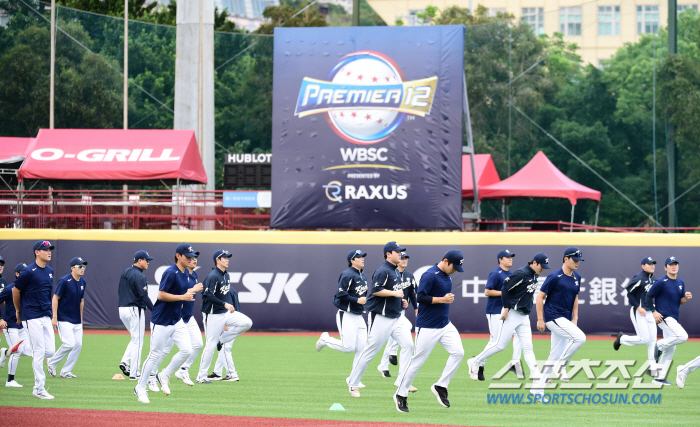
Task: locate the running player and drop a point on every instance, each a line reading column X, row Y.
column 664, row 298
column 220, row 308
column 166, row 320
column 494, row 306
column 133, row 301
column 432, row 326
column 409, row 294
column 32, row 294
column 15, row 334
column 384, row 306
column 682, row 371
column 560, row 314
column 516, row 295
column 68, row 302
column 350, row 299
column 640, row 312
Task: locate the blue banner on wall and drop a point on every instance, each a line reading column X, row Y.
column 367, row 127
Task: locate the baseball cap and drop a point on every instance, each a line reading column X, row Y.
column 455, row 258
column 77, row 261
column 221, row 253
column 2, row 260
column 186, row 250
column 542, row 259
column 671, row 260
column 393, row 246
column 19, row 267
column 574, row 253
column 43, row 245
column 142, row 255
column 356, row 254
column 404, row 255
column 505, row 253
column 648, row 260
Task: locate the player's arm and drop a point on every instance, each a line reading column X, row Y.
column 344, row 283
column 426, row 285
column 490, row 285
column 82, row 305
column 15, row 300
column 651, row 295
column 54, row 307
column 540, row 310
column 210, row 286
column 574, row 311
column 632, row 290
column 140, row 288
column 687, row 296
column 383, row 278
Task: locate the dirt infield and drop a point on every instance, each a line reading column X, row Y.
column 30, row 417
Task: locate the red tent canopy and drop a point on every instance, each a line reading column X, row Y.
column 539, row 178
column 13, row 150
column 486, row 173
column 114, row 154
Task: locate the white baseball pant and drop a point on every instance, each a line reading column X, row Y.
column 567, row 338
column 380, row 329
column 225, row 360
column 691, row 366
column 12, row 335
column 134, row 319
column 391, row 349
column 353, row 334
column 71, row 343
column 674, row 334
column 645, row 326
column 515, row 324
column 41, row 341
column 160, row 334
column 237, row 323
column 195, row 340
column 494, row 322
column 426, row 339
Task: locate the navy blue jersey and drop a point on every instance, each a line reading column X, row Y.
column 434, row 283
column 410, row 287
column 217, row 292
column 495, row 282
column 173, row 282
column 352, row 285
column 518, row 289
column 561, row 291
column 10, row 316
column 3, row 284
column 665, row 296
column 385, row 277
column 188, row 306
column 36, row 285
column 637, row 289
column 71, row 293
column 133, row 289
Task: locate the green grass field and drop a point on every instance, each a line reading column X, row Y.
column 283, row 376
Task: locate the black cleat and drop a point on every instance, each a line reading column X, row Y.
column 441, row 393
column 125, row 369
column 219, row 346
column 512, row 369
column 616, row 344
column 385, row 374
column 657, row 353
column 394, row 361
column 481, row 373
column 214, row 377
column 401, row 403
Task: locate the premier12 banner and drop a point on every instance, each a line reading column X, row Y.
column 367, row 127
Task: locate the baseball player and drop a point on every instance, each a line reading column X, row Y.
column 350, row 299
column 3, row 282
column 517, row 297
column 32, row 294
column 494, row 306
column 68, row 302
column 15, row 334
column 682, row 371
column 166, row 321
column 664, row 298
column 384, row 306
column 133, row 301
column 560, row 314
column 432, row 326
column 640, row 312
column 409, row 294
column 220, row 308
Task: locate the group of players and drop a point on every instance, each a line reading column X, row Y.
column 510, row 301
column 29, row 330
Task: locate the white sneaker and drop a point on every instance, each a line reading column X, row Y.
column 43, row 395
column 320, row 343
column 347, row 381
column 411, row 388
column 164, row 382
column 68, row 375
column 354, row 392
column 13, row 383
column 183, row 375
column 52, row 370
column 153, row 384
column 680, row 378
column 142, row 394
column 3, row 357
column 473, row 369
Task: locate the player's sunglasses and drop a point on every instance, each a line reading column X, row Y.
column 573, row 254
column 80, row 267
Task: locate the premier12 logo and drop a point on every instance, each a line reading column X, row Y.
column 366, row 97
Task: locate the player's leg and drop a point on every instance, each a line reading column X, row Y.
column 196, row 341
column 682, row 371
column 13, row 335
column 237, row 323
column 160, row 335
column 523, row 335
column 213, row 326
column 360, row 337
column 518, row 349
column 504, row 331
column 227, row 361
column 558, row 343
column 181, row 336
column 65, row 333
column 402, row 334
column 674, row 334
column 72, row 359
column 35, row 336
column 575, row 336
column 380, row 327
column 426, row 338
column 452, row 342
column 220, row 363
column 640, row 329
column 125, row 315
column 347, row 327
column 139, row 332
column 652, row 332
column 384, row 363
column 494, row 322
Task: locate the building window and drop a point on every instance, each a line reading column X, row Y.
column 684, row 7
column 570, row 21
column 238, row 7
column 535, row 17
column 647, row 19
column 609, row 20
column 259, row 7
column 493, row 11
